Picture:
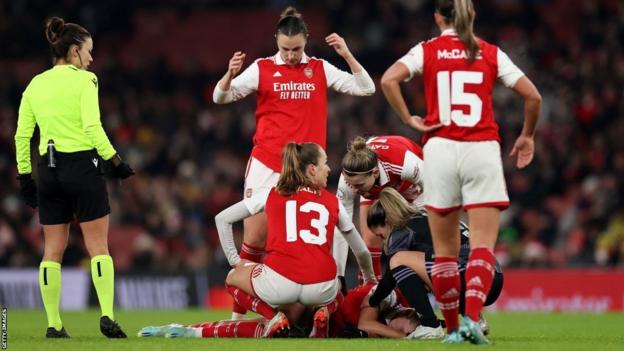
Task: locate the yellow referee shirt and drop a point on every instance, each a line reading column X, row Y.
column 63, row 102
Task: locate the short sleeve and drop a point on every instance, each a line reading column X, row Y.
column 508, row 72
column 414, row 60
column 255, row 204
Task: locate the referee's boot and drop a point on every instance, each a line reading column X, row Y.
column 52, row 333
column 111, row 329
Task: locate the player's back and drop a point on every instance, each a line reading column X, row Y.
column 459, row 93
column 300, row 235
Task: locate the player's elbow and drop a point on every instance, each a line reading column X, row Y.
column 535, row 97
column 220, row 220
column 388, row 81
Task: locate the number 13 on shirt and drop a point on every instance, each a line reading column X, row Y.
column 320, row 223
column 451, row 92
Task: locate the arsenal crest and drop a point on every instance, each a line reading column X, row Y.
column 308, row 72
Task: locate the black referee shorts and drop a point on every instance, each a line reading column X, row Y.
column 75, row 186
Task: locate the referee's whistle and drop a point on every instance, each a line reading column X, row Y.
column 51, row 156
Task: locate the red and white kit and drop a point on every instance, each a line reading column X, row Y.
column 400, row 163
column 292, row 107
column 462, row 159
column 298, row 265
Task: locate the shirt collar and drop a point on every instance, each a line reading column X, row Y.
column 449, row 31
column 279, row 61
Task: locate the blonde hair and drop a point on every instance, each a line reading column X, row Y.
column 391, row 208
column 295, row 160
column 359, row 159
column 461, row 14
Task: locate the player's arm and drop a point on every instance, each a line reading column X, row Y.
column 369, row 323
column 524, row 147
column 25, row 128
column 230, row 89
column 512, row 77
column 353, row 238
column 235, row 213
column 359, row 84
column 402, row 70
column 367, row 234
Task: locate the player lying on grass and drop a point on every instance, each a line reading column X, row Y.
column 408, row 244
column 354, row 318
column 298, row 267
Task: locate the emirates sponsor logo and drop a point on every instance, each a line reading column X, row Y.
column 294, row 90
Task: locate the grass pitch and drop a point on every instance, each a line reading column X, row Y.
column 510, row 331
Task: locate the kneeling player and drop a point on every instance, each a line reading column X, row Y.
column 410, row 249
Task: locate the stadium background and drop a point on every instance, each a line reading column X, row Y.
column 158, row 61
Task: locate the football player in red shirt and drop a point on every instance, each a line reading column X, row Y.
column 463, row 167
column 368, row 167
column 298, row 267
column 389, row 318
column 292, row 106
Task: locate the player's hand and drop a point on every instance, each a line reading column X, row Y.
column 236, row 63
column 28, row 189
column 338, row 43
column 418, row 123
column 524, row 148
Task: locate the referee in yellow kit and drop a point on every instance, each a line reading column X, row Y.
column 63, row 102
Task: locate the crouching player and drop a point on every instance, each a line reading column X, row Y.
column 409, row 246
column 298, row 267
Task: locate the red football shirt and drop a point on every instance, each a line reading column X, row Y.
column 400, row 162
column 300, row 235
column 292, row 106
column 459, row 93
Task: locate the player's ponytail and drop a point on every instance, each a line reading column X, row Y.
column 295, row 160
column 461, row 14
column 464, row 23
column 359, row 158
column 291, row 23
column 391, row 208
column 61, row 36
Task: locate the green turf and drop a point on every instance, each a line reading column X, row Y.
column 510, row 331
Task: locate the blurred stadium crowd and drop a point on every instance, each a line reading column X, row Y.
column 158, row 61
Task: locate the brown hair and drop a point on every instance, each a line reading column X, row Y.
column 391, row 208
column 62, row 36
column 295, row 160
column 291, row 23
column 359, row 158
column 461, row 14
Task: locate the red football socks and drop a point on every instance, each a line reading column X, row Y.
column 251, row 303
column 479, row 276
column 446, row 288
